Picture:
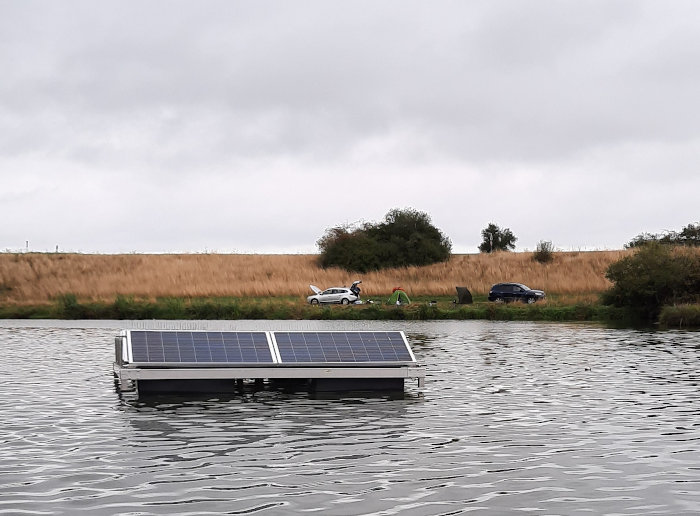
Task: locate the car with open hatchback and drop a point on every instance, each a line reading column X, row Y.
column 336, row 295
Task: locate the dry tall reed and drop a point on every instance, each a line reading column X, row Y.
column 36, row 278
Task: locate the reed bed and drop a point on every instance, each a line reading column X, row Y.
column 36, row 278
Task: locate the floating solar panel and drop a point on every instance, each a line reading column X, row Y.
column 342, row 347
column 153, row 361
column 188, row 348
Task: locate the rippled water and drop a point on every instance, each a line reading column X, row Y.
column 515, row 418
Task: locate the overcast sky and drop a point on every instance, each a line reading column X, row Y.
column 230, row 126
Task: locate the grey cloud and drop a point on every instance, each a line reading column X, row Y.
column 398, row 103
column 527, row 80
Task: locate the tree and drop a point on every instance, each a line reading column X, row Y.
column 497, row 239
column 405, row 237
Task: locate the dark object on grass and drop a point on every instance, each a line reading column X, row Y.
column 464, row 297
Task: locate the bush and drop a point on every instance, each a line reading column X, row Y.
column 406, row 237
column 544, row 253
column 656, row 275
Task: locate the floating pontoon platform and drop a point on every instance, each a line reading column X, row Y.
column 218, row 361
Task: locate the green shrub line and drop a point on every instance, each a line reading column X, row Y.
column 69, row 307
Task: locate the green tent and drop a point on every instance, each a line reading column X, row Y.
column 399, row 297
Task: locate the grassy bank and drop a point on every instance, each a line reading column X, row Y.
column 211, row 286
column 40, row 278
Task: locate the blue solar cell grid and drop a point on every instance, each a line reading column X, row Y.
column 342, row 347
column 201, row 347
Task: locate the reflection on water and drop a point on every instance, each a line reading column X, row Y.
column 515, row 418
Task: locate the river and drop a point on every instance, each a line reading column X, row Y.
column 515, row 418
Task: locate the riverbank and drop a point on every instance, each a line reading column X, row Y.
column 212, row 286
column 69, row 307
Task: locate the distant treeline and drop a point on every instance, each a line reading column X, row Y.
column 688, row 236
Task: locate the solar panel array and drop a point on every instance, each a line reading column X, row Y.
column 200, row 347
column 304, row 347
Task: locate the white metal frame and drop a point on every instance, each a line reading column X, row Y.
column 219, row 373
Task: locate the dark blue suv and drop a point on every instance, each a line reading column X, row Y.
column 506, row 292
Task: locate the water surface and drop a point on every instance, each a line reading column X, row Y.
column 515, row 418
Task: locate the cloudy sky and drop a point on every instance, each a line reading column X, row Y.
column 232, row 126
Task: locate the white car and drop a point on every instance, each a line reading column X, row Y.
column 338, row 295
